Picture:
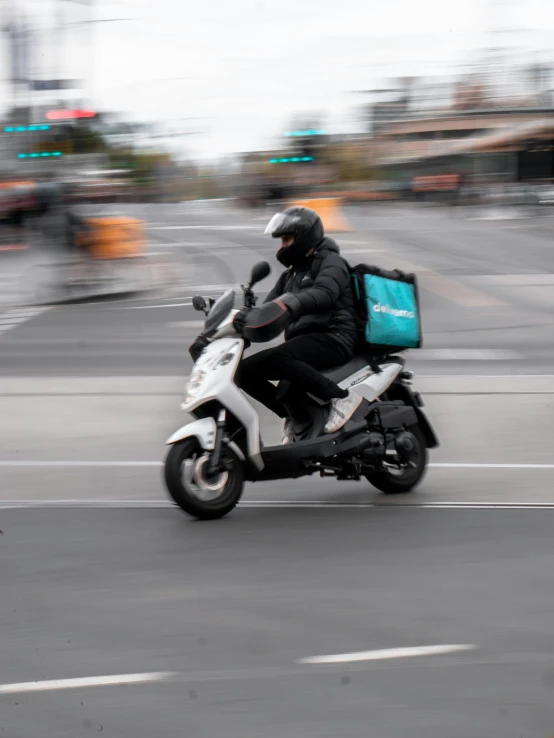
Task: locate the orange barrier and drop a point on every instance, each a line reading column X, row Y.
column 9, row 185
column 115, row 237
column 329, row 210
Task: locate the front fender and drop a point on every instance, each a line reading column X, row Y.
column 203, row 429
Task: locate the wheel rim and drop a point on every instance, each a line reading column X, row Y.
column 402, row 471
column 198, row 484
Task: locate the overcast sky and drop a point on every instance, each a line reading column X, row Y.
column 245, row 66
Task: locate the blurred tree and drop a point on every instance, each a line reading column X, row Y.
column 88, row 141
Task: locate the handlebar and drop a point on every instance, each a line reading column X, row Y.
column 250, row 299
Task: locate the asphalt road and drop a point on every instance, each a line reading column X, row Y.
column 487, row 291
column 228, row 609
column 101, row 578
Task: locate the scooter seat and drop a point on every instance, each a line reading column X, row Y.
column 342, row 372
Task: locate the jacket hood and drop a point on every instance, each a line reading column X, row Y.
column 328, row 245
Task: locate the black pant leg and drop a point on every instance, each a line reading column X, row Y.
column 300, row 361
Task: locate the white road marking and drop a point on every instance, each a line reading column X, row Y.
column 387, row 653
column 102, row 681
column 463, row 377
column 542, row 279
column 10, row 319
column 162, row 503
column 353, row 242
column 471, row 465
column 138, row 464
column 242, row 674
column 184, row 244
column 362, row 251
column 187, row 303
column 187, row 324
column 80, row 464
column 246, row 227
column 462, row 354
column 205, row 289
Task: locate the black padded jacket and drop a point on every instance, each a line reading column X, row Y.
column 319, row 296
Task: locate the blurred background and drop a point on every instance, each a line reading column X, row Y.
column 144, row 103
column 144, row 146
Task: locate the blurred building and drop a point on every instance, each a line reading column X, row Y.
column 494, row 124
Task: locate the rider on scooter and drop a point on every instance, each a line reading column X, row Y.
column 316, row 292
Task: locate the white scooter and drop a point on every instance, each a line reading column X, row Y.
column 385, row 441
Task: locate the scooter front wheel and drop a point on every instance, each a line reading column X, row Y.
column 193, row 489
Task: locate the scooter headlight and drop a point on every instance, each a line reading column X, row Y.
column 193, row 385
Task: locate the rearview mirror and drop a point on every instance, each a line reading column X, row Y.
column 199, row 304
column 259, row 271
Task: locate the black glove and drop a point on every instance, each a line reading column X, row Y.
column 240, row 319
column 197, row 346
column 266, row 322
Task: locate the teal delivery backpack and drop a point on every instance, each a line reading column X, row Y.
column 388, row 306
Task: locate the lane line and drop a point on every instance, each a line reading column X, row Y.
column 107, row 464
column 361, row 251
column 10, row 319
column 465, row 377
column 449, row 354
column 242, row 674
column 387, row 653
column 347, row 242
column 101, row 681
column 487, row 465
column 245, row 227
column 162, row 503
column 13, row 320
column 188, row 303
column 80, row 464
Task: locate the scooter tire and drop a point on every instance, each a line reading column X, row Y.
column 186, row 498
column 406, row 481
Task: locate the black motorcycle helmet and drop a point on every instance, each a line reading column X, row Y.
column 304, row 225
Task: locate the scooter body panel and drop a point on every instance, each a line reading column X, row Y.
column 203, row 430
column 372, row 387
column 215, row 373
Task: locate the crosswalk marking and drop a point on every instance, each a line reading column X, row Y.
column 10, row 319
column 449, row 289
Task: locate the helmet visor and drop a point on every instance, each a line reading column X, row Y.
column 282, row 224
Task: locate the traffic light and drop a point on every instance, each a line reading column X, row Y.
column 20, row 129
column 291, row 159
column 39, row 147
column 70, row 114
column 39, row 155
column 309, row 132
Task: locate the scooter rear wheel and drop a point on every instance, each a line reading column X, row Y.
column 401, row 481
column 193, row 490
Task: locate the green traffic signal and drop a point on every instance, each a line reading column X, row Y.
column 37, row 155
column 309, row 132
column 294, row 159
column 14, row 129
